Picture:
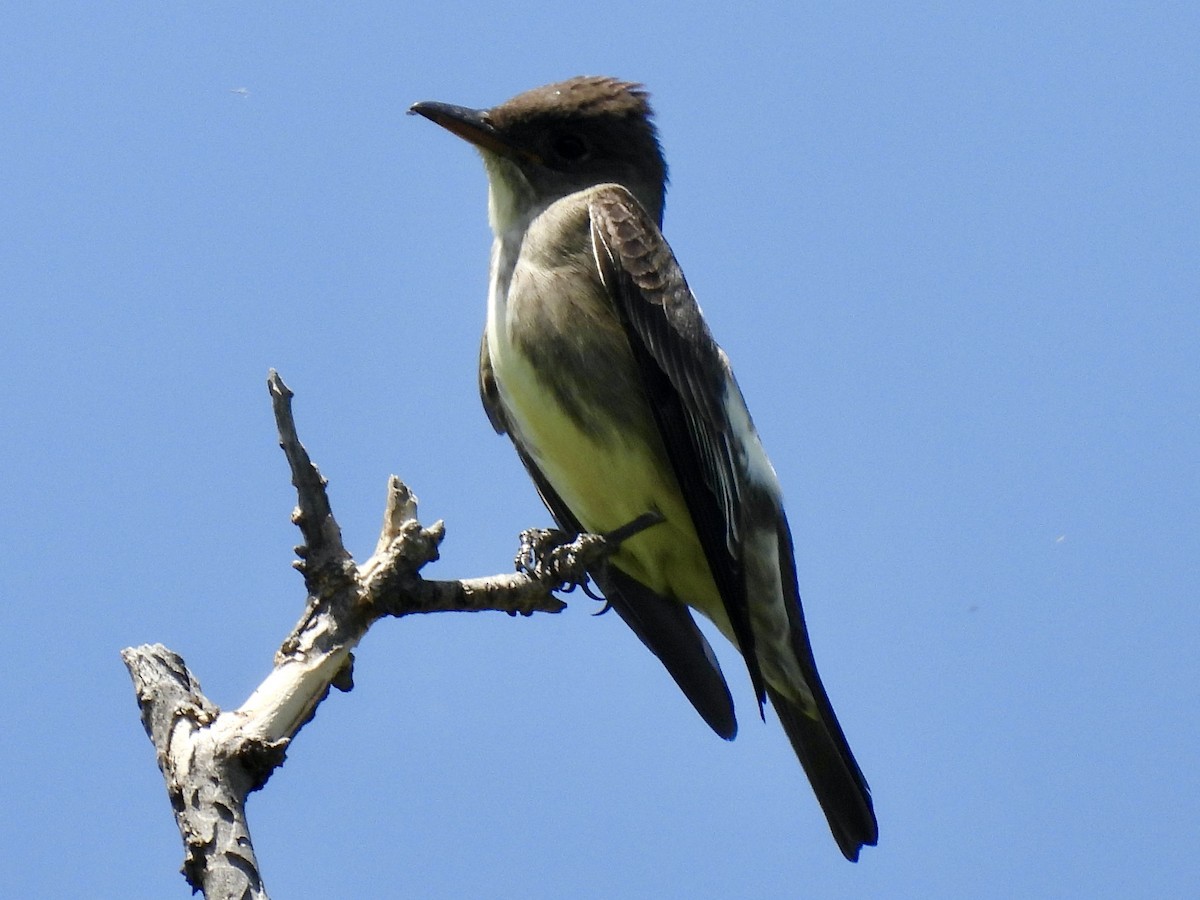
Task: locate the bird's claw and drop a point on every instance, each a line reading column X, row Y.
column 561, row 561
column 557, row 559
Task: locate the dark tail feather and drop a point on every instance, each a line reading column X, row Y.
column 668, row 629
column 816, row 735
column 835, row 777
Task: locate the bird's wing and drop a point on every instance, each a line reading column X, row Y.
column 691, row 390
column 663, row 625
column 687, row 382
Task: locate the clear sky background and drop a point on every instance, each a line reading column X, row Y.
column 952, row 251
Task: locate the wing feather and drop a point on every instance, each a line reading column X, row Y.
column 686, row 378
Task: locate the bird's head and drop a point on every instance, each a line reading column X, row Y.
column 555, row 140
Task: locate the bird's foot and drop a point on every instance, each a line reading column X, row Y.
column 537, row 544
column 557, row 559
column 561, row 561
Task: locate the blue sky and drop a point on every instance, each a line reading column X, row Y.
column 952, row 252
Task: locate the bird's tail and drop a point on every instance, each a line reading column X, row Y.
column 837, row 781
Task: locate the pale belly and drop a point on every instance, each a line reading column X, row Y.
column 608, row 481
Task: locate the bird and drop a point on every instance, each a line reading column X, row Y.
column 598, row 364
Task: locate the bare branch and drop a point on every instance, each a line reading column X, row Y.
column 207, row 776
column 322, row 555
column 211, row 759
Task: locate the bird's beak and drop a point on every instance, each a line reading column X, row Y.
column 474, row 126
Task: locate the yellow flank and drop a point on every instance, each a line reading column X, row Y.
column 608, row 481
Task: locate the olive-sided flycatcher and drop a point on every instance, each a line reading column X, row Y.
column 598, row 365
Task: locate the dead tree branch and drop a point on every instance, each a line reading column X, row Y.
column 211, row 759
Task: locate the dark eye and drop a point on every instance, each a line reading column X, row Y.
column 569, row 147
